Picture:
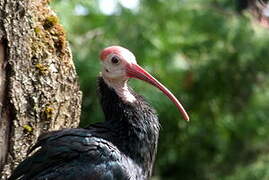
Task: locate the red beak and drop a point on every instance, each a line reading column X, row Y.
column 135, row 71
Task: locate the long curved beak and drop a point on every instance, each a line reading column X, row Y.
column 135, row 71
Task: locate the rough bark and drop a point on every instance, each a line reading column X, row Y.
column 4, row 111
column 38, row 84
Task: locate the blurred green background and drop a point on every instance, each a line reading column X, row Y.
column 213, row 58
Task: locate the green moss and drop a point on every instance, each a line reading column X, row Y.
column 49, row 22
column 49, row 111
column 42, row 68
column 27, row 128
column 37, row 30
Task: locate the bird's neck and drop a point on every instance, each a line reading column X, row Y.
column 134, row 124
column 121, row 88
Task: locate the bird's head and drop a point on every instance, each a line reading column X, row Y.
column 119, row 64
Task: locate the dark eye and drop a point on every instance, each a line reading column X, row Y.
column 115, row 59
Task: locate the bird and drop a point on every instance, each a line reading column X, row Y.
column 121, row 147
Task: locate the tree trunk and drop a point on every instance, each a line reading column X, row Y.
column 38, row 84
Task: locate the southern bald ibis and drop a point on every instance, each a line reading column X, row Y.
column 122, row 147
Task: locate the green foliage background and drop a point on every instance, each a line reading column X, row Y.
column 213, row 59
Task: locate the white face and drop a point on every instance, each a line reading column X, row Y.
column 114, row 66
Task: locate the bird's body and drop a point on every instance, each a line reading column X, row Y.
column 77, row 154
column 122, row 147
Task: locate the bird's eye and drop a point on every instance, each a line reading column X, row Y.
column 115, row 59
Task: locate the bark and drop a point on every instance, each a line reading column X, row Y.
column 39, row 88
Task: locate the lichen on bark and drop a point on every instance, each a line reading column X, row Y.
column 42, row 85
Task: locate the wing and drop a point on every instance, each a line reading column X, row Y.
column 74, row 154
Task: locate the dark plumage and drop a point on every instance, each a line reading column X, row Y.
column 122, row 147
